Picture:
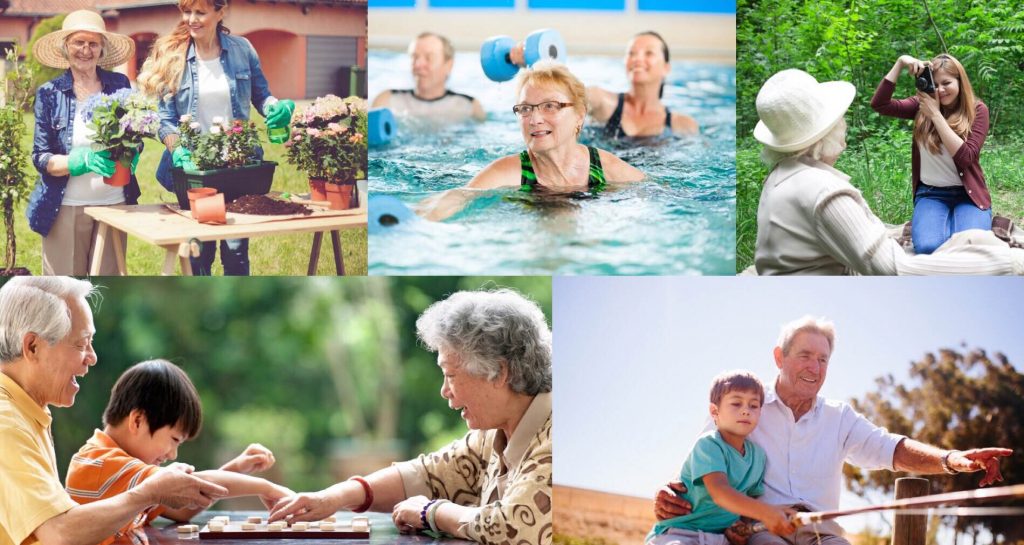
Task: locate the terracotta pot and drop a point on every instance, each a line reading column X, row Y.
column 122, row 175
column 341, row 196
column 316, row 189
column 210, row 209
column 198, row 193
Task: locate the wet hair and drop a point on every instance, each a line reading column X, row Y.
column 164, row 394
column 490, row 330
column 37, row 304
column 735, row 381
column 548, row 73
column 446, row 44
column 161, row 73
column 806, row 324
column 960, row 119
column 664, row 53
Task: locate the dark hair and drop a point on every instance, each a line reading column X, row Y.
column 162, row 391
column 735, row 381
column 664, row 52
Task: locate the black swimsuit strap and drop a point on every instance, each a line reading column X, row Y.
column 613, row 128
column 595, row 178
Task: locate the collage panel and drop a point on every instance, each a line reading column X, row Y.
column 879, row 145
column 871, row 373
column 552, row 137
column 119, row 115
column 421, row 404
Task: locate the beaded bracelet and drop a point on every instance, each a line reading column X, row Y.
column 369, row 495
column 432, row 514
column 423, row 514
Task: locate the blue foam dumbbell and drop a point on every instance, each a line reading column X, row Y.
column 382, row 126
column 387, row 212
column 544, row 44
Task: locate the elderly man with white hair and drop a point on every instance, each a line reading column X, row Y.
column 811, row 220
column 493, row 485
column 808, row 438
column 46, row 333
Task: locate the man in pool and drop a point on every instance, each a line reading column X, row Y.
column 432, row 57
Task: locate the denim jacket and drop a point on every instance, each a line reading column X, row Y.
column 55, row 115
column 246, row 83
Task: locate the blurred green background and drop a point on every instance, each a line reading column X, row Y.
column 326, row 372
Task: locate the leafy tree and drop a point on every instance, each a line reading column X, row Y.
column 43, row 73
column 955, row 399
column 15, row 176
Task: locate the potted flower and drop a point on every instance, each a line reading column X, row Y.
column 225, row 158
column 15, row 177
column 328, row 143
column 121, row 120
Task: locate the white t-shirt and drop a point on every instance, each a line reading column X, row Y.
column 938, row 170
column 88, row 189
column 214, row 94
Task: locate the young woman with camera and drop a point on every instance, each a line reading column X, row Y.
column 950, row 125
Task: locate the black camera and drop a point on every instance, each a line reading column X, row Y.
column 924, row 82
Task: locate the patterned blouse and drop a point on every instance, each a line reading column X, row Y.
column 508, row 479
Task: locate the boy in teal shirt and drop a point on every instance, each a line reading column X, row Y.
column 724, row 471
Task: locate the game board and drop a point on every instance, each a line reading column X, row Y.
column 257, row 528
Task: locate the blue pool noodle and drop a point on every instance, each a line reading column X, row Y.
column 382, row 126
column 387, row 212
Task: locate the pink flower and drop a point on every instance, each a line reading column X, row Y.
column 313, row 132
column 236, row 129
column 298, row 138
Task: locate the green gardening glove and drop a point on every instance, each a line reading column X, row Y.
column 279, row 114
column 135, row 161
column 83, row 159
column 182, row 158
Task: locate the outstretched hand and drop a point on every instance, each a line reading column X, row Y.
column 980, row 459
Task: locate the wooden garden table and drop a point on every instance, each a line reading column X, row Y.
column 155, row 224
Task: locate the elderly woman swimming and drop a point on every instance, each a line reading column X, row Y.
column 494, row 349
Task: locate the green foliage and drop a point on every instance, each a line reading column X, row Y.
column 223, row 147
column 14, row 158
column 43, row 73
column 859, row 42
column 956, row 399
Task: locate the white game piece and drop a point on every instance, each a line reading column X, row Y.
column 300, row 526
column 185, row 529
column 216, row 526
column 331, row 518
column 248, row 526
column 326, row 526
column 360, row 524
column 254, row 520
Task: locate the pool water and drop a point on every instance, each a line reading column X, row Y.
column 679, row 221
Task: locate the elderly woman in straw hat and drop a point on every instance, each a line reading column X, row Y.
column 812, row 220
column 70, row 171
column 493, row 485
column 552, row 105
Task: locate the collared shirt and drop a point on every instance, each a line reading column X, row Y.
column 508, row 479
column 246, row 83
column 805, row 457
column 102, row 469
column 55, row 114
column 30, row 489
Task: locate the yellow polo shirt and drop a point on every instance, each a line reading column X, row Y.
column 30, row 489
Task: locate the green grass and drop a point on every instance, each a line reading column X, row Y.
column 880, row 167
column 271, row 255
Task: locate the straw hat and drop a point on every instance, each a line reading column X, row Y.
column 47, row 49
column 797, row 111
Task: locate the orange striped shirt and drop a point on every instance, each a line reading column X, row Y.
column 101, row 469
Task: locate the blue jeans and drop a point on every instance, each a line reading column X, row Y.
column 234, row 255
column 941, row 211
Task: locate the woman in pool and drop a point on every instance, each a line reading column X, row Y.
column 551, row 109
column 949, row 188
column 639, row 111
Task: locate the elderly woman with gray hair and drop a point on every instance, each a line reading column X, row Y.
column 494, row 349
column 811, row 220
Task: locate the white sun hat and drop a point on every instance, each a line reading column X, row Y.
column 796, row 111
column 47, row 49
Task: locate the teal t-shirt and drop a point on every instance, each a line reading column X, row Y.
column 709, row 455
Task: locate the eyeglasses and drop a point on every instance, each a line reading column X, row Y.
column 548, row 108
column 84, row 44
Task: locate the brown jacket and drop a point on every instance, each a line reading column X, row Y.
column 966, row 158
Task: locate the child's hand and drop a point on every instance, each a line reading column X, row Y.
column 184, row 468
column 254, row 459
column 778, row 519
column 273, row 494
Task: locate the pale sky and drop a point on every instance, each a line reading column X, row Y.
column 634, row 357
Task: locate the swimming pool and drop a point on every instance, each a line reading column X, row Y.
column 682, row 221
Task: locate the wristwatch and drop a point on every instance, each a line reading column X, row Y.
column 945, row 463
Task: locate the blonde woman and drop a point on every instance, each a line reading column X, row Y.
column 950, row 126
column 202, row 70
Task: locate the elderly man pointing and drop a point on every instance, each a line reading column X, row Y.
column 46, row 332
column 808, row 438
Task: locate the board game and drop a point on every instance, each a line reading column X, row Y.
column 258, row 528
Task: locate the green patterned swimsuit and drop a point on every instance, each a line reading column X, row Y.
column 595, row 182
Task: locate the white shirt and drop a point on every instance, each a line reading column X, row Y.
column 214, row 94
column 805, row 457
column 88, row 189
column 938, row 170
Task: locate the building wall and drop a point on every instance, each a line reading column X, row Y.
column 283, row 58
column 16, row 29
